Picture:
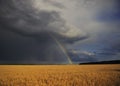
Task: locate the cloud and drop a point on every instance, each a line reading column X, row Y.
column 100, row 19
column 26, row 28
column 54, row 3
column 82, row 52
column 90, row 25
column 82, row 56
column 32, row 18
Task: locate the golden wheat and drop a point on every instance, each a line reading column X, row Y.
column 60, row 75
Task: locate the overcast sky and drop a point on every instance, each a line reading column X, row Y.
column 57, row 31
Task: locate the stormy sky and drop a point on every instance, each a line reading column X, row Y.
column 59, row 31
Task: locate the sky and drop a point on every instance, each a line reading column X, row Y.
column 59, row 31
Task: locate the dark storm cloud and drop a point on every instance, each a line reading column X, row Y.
column 25, row 34
column 26, row 20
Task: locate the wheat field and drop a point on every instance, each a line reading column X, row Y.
column 59, row 75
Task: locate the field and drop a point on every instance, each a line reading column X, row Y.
column 60, row 75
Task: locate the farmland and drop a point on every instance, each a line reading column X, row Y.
column 60, row 75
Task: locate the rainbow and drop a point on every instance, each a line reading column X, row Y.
column 62, row 48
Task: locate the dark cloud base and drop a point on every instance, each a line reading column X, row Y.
column 15, row 49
